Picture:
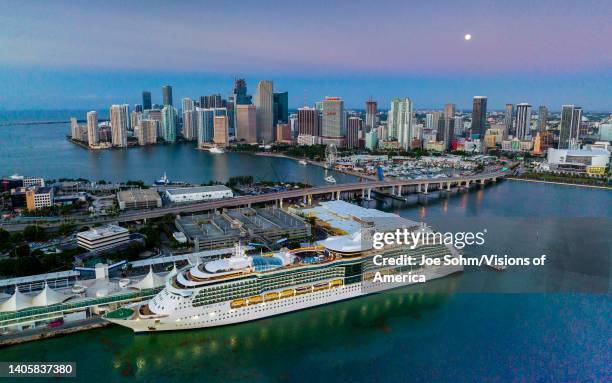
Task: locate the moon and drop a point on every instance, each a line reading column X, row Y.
column 467, row 37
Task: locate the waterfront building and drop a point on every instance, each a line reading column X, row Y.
column 138, row 199
column 103, row 238
column 168, row 123
column 371, row 115
column 399, row 122
column 332, row 128
column 479, row 115
column 205, row 125
column 74, row 129
column 135, row 118
column 592, row 160
column 198, row 194
column 523, row 120
column 246, row 123
column 308, row 121
column 92, row 128
column 542, row 118
column 39, row 197
column 146, row 100
column 220, row 127
column 371, row 140
column 283, row 133
column 308, row 140
column 167, row 95
column 569, row 128
column 281, row 108
column 119, row 125
column 354, row 127
column 508, row 114
column 264, row 103
column 146, row 132
column 190, row 125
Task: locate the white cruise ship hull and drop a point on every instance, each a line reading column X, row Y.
column 221, row 314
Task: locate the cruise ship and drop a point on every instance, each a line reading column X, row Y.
column 244, row 287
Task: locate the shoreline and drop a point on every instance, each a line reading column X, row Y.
column 559, row 183
column 46, row 333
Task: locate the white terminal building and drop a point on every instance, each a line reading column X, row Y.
column 199, row 193
column 101, row 238
column 579, row 159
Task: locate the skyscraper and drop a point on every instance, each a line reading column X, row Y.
column 333, row 111
column 479, row 115
column 240, row 92
column 371, row 111
column 354, row 126
column 167, row 94
column 570, row 125
column 400, row 122
column 523, row 120
column 281, row 108
column 508, row 119
column 205, row 125
column 246, row 123
column 458, row 126
column 221, row 129
column 146, row 132
column 187, row 104
column 169, row 123
column 190, row 126
column 146, row 100
column 264, row 103
column 308, row 121
column 119, row 124
column 92, row 128
column 429, row 122
column 542, row 118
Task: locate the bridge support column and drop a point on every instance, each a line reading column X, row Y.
column 249, row 205
column 418, row 188
column 305, row 199
column 448, row 186
column 369, row 194
column 362, row 193
column 399, row 190
column 338, row 195
column 426, row 186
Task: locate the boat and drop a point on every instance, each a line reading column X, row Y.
column 243, row 288
column 330, row 179
column 163, row 181
column 216, row 150
column 303, row 162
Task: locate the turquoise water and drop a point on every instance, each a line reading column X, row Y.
column 468, row 327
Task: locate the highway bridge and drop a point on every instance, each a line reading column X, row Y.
column 396, row 187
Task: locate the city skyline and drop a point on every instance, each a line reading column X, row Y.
column 515, row 54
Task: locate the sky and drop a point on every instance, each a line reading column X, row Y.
column 88, row 55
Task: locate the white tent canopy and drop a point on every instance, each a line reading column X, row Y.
column 48, row 297
column 17, row 301
column 150, row 281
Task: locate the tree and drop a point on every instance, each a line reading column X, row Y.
column 34, row 233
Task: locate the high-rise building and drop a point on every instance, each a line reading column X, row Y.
column 187, row 104
column 371, row 112
column 138, row 108
column 240, row 92
column 308, row 121
column 168, row 123
column 74, row 129
column 371, row 140
column 205, row 125
column 135, row 118
column 448, row 132
column 458, row 126
column 542, row 118
column 523, row 120
column 146, row 100
column 119, row 125
column 508, row 113
column 354, row 126
column 571, row 116
column 92, row 128
column 479, row 116
column 283, row 133
column 399, row 122
column 190, row 124
column 333, row 111
column 221, row 128
column 246, row 123
column 281, row 108
column 264, row 102
column 429, row 121
column 167, row 95
column 146, row 132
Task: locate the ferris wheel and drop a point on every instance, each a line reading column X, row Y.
column 331, row 155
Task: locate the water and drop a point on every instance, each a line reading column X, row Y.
column 42, row 150
column 546, row 323
column 439, row 331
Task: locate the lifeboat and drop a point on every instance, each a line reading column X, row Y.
column 238, row 303
column 270, row 297
column 336, row 283
column 303, row 290
column 321, row 286
column 287, row 293
column 255, row 300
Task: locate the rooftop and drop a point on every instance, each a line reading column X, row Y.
column 102, row 232
column 137, row 195
column 198, row 189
